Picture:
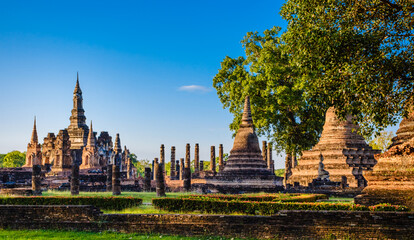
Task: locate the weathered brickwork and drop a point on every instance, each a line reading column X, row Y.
column 284, row 225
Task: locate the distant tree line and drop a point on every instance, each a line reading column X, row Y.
column 12, row 159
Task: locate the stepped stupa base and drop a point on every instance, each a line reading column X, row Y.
column 239, row 185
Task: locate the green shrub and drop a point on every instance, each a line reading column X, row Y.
column 106, row 203
column 388, row 207
column 263, row 198
column 252, row 207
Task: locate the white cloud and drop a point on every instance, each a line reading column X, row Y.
column 194, row 88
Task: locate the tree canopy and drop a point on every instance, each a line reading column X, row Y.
column 358, row 55
column 382, row 141
column 282, row 108
column 354, row 55
column 14, row 159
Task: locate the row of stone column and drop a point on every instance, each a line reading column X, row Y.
column 177, row 167
column 267, row 155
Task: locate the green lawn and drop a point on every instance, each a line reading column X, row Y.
column 145, row 196
column 66, row 235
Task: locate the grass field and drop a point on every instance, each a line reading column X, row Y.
column 145, row 196
column 66, row 235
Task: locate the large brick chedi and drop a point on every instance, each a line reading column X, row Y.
column 78, row 130
column 344, row 151
column 392, row 179
column 245, row 169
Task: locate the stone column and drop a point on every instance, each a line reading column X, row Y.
column 109, row 177
column 264, row 151
column 187, row 175
column 201, row 165
column 187, row 155
column 213, row 159
column 181, row 168
column 177, row 169
column 129, row 169
column 116, row 176
column 196, row 158
column 147, row 180
column 160, row 181
column 221, row 162
column 74, row 180
column 36, row 181
column 295, row 160
column 162, row 156
column 270, row 164
column 288, row 167
column 172, row 167
column 154, row 170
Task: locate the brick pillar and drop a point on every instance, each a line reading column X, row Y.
column 270, row 164
column 153, row 170
column 74, row 180
column 129, row 169
column 177, row 169
column 201, row 165
column 187, row 155
column 172, row 167
column 187, row 175
column 147, row 180
column 109, row 177
column 160, row 181
column 196, row 158
column 181, row 168
column 116, row 175
column 264, row 151
column 288, row 167
column 295, row 160
column 156, row 165
column 213, row 159
column 36, row 181
column 221, row 162
column 162, row 156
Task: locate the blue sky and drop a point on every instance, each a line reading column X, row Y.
column 145, row 67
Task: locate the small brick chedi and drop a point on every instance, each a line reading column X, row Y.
column 245, row 170
column 392, row 179
column 345, row 153
column 56, row 150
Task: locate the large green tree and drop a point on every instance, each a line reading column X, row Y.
column 282, row 108
column 14, row 159
column 358, row 55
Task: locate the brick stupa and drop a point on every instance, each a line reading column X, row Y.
column 245, row 170
column 392, row 179
column 344, row 151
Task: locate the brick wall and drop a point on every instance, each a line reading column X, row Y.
column 285, row 224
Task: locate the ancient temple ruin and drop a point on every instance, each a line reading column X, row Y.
column 344, row 151
column 392, row 178
column 246, row 170
column 34, row 150
column 56, row 149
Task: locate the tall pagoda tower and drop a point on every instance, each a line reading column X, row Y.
column 34, row 151
column 78, row 130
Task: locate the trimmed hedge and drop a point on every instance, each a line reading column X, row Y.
column 260, row 208
column 106, row 203
column 263, row 198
